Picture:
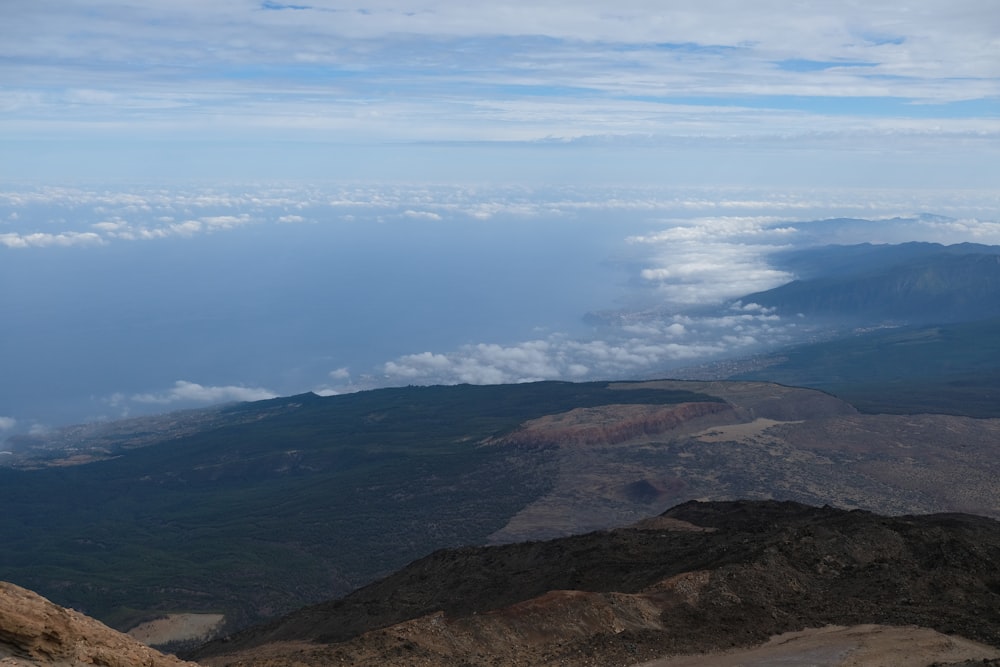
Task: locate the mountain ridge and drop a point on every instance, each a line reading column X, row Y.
column 910, row 283
column 761, row 568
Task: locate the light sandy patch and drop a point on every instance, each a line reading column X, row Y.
column 738, row 432
column 176, row 628
column 667, row 523
column 838, row 646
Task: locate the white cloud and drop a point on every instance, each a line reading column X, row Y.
column 979, row 231
column 225, row 221
column 708, row 260
column 192, row 392
column 340, row 374
column 43, row 239
column 422, row 215
column 478, row 364
column 697, row 216
column 652, row 349
column 878, row 32
column 7, row 423
column 751, row 307
column 418, row 365
column 515, row 71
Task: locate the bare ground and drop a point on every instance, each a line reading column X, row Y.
column 177, row 628
column 772, row 442
column 839, row 646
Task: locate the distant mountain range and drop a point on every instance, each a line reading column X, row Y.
column 904, row 328
column 911, row 283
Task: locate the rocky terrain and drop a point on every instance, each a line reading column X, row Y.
column 33, row 631
column 726, row 584
column 609, row 424
column 702, row 579
column 766, row 441
column 305, row 499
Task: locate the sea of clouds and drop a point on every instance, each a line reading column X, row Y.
column 124, row 301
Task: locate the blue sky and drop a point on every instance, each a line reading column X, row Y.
column 210, row 201
column 440, row 90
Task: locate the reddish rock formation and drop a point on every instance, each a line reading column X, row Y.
column 608, row 424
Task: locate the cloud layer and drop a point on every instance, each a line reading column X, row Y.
column 649, row 156
column 917, row 75
column 254, row 291
column 184, row 392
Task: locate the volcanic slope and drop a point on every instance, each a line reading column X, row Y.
column 272, row 505
column 771, row 441
column 35, row 632
column 307, row 498
column 701, row 578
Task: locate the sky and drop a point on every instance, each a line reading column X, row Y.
column 735, row 92
column 205, row 202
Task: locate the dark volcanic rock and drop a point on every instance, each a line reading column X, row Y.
column 768, row 567
column 808, row 567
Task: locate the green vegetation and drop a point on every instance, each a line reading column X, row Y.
column 309, row 499
column 948, row 369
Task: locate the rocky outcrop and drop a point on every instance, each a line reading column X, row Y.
column 752, row 571
column 34, row 631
